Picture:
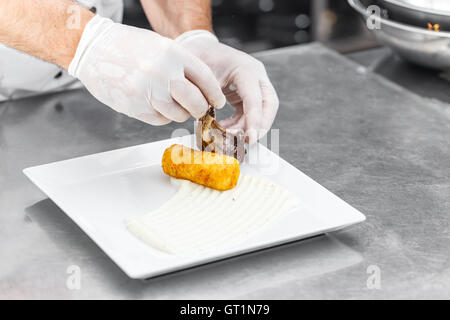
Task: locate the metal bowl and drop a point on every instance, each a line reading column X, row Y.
column 430, row 6
column 419, row 12
column 417, row 45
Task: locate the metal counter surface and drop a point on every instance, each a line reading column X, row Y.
column 381, row 148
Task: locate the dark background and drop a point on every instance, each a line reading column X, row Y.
column 254, row 25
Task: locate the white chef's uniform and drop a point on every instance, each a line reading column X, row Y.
column 22, row 75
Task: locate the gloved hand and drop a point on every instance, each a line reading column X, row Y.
column 142, row 74
column 244, row 82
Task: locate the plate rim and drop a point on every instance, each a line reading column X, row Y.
column 357, row 217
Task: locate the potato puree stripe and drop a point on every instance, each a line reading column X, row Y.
column 199, row 219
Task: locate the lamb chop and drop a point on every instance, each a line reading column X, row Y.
column 212, row 137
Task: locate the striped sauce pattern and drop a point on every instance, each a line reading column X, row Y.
column 199, row 219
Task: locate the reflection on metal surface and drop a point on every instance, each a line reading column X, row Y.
column 418, row 45
column 418, row 12
column 251, row 275
column 431, row 6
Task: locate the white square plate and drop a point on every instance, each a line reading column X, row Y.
column 99, row 191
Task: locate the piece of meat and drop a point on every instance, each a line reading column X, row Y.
column 212, row 137
column 213, row 170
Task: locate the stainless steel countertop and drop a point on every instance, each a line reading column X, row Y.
column 381, row 148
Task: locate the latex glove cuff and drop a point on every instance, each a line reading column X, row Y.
column 92, row 31
column 194, row 34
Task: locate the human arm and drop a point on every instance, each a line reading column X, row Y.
column 134, row 71
column 41, row 28
column 171, row 18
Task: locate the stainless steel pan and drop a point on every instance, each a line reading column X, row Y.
column 418, row 45
column 419, row 12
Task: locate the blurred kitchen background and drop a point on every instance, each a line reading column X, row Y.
column 255, row 25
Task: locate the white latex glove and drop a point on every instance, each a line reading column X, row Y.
column 244, row 82
column 142, row 74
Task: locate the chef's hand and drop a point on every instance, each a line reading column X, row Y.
column 244, row 82
column 142, row 74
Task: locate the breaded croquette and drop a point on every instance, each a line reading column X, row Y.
column 209, row 169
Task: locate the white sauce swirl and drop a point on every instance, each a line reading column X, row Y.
column 199, row 219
